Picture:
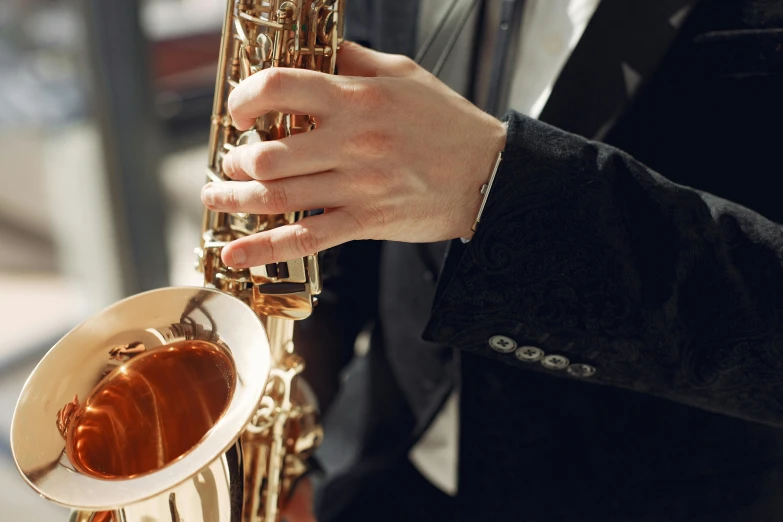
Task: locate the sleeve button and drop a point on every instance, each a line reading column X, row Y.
column 502, row 344
column 581, row 370
column 554, row 362
column 529, row 353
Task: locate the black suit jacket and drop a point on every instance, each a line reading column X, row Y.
column 603, row 253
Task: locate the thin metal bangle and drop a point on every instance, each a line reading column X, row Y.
column 485, row 190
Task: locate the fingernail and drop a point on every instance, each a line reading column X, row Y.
column 208, row 194
column 238, row 255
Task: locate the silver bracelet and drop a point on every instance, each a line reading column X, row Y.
column 485, row 188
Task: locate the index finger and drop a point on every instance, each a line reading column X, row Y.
column 283, row 89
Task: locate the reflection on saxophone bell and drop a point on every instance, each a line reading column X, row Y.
column 186, row 404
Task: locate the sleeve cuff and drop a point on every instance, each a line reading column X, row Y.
column 540, row 268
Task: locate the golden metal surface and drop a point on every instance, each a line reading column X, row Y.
column 258, row 35
column 174, row 405
column 85, row 357
column 138, row 405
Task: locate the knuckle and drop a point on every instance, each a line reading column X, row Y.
column 374, row 217
column 372, row 143
column 271, row 82
column 369, row 95
column 404, row 64
column 267, row 244
column 306, row 241
column 377, row 183
column 263, row 161
column 232, row 200
column 358, row 226
column 275, row 198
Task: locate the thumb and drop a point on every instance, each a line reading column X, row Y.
column 356, row 60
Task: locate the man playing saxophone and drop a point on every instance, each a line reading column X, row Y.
column 584, row 337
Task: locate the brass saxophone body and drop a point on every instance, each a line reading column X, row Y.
column 186, row 404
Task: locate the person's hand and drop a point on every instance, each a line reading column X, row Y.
column 299, row 507
column 395, row 155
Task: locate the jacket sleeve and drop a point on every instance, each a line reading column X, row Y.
column 614, row 275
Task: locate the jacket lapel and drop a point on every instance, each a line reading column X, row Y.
column 620, row 48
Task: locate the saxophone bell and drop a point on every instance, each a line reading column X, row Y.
column 131, row 433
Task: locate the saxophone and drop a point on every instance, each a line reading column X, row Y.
column 186, row 404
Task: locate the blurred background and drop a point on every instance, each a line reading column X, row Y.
column 104, row 122
column 104, row 115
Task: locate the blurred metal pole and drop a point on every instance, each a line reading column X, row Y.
column 123, row 108
column 502, row 56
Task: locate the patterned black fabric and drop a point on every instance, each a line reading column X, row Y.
column 539, row 449
column 668, row 292
column 586, row 252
